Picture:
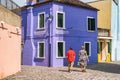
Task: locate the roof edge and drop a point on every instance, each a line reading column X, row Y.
column 84, row 5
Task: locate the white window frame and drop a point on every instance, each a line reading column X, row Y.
column 38, row 50
column 63, row 20
column 39, row 20
column 63, row 49
column 87, row 24
column 89, row 47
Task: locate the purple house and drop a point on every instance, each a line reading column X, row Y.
column 50, row 27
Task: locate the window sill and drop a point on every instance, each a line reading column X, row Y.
column 40, row 29
column 90, row 31
column 60, row 57
column 60, row 28
column 40, row 58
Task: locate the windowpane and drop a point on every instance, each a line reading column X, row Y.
column 60, row 20
column 41, row 49
column 91, row 24
column 87, row 48
column 60, row 49
column 41, row 21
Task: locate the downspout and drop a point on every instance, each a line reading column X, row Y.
column 50, row 19
column 49, row 44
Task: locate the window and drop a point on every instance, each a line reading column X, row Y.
column 60, row 20
column 41, row 19
column 91, row 24
column 60, row 49
column 88, row 48
column 40, row 49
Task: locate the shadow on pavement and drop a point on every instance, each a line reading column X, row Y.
column 64, row 70
column 112, row 67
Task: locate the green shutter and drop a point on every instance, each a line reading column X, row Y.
column 41, row 21
column 98, row 47
column 87, row 48
column 92, row 24
column 89, row 24
column 60, row 49
column 60, row 20
column 41, row 49
column 109, row 47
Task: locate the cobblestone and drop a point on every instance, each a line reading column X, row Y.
column 99, row 71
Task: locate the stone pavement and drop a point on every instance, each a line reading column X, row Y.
column 99, row 71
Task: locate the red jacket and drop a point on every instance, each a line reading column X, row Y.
column 70, row 55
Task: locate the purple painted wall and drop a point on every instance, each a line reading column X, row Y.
column 74, row 34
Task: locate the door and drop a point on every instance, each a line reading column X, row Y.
column 103, row 51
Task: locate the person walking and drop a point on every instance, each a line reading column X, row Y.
column 83, row 58
column 70, row 55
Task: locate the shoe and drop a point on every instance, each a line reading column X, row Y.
column 83, row 70
column 69, row 71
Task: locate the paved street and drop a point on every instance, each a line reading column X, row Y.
column 101, row 71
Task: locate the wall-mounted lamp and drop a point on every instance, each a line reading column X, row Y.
column 50, row 17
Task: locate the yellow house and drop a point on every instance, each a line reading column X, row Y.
column 104, row 29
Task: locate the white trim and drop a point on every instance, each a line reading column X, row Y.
column 38, row 50
column 57, row 20
column 87, row 24
column 89, row 47
column 105, row 38
column 63, row 49
column 39, row 19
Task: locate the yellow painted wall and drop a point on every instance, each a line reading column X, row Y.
column 108, row 57
column 104, row 15
column 9, row 17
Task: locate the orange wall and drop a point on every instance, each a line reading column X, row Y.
column 104, row 15
column 10, row 50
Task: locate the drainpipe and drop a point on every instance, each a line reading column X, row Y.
column 50, row 19
column 49, row 45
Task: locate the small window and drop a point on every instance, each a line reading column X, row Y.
column 40, row 50
column 60, row 49
column 60, row 20
column 41, row 21
column 88, row 48
column 91, row 24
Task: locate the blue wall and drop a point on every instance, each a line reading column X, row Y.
column 75, row 32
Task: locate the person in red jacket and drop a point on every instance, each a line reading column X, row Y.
column 70, row 55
